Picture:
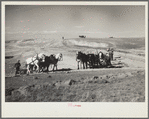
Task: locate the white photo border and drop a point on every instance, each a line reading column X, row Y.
column 57, row 109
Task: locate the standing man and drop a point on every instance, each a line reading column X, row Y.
column 108, row 58
column 17, row 67
column 110, row 53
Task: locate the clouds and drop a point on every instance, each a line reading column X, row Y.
column 77, row 19
column 31, row 32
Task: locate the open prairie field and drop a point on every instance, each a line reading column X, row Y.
column 123, row 82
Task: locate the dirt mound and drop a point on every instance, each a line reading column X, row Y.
column 41, row 44
column 96, row 79
column 82, row 43
column 122, row 75
column 70, row 82
column 65, row 83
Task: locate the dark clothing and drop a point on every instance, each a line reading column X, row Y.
column 108, row 60
column 17, row 67
column 111, row 54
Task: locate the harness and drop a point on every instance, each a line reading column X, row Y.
column 32, row 61
column 35, row 59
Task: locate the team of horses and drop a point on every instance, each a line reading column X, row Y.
column 41, row 62
column 92, row 60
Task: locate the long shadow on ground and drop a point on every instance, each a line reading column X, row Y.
column 63, row 69
column 98, row 67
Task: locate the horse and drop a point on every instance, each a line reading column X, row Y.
column 46, row 64
column 34, row 61
column 101, row 55
column 91, row 60
column 106, row 59
column 30, row 62
column 52, row 59
column 40, row 56
column 96, row 60
column 81, row 58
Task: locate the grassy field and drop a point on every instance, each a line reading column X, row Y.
column 84, row 86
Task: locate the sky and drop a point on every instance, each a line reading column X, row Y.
column 32, row 21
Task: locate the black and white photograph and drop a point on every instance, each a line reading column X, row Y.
column 73, row 53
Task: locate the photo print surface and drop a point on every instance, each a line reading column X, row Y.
column 75, row 54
